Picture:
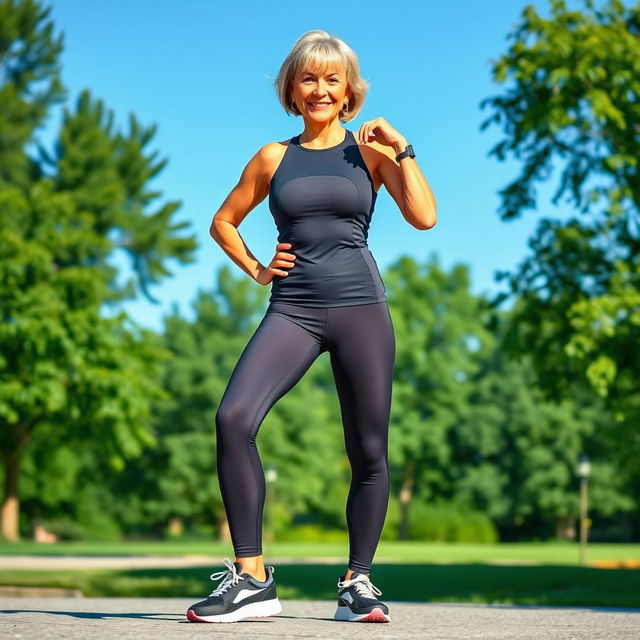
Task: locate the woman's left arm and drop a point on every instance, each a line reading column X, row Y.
column 403, row 180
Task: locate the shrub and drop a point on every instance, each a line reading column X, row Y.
column 449, row 522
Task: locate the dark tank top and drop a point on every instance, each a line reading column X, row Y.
column 322, row 201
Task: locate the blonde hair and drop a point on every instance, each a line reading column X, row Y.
column 319, row 49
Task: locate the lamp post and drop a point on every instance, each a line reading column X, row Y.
column 271, row 476
column 584, row 468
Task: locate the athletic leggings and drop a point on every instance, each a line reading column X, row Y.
column 361, row 343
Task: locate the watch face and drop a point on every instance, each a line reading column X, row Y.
column 410, row 150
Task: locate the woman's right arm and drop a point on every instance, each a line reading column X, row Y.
column 252, row 188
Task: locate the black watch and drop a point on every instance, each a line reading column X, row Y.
column 407, row 152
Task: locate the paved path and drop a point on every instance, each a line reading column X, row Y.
column 163, row 618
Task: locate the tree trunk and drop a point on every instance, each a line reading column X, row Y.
column 10, row 509
column 17, row 437
column 566, row 528
column 404, row 499
column 176, row 527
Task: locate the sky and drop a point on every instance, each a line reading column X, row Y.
column 203, row 72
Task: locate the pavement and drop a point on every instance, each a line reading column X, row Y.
column 164, row 618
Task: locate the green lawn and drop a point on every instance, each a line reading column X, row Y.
column 563, row 553
column 403, row 571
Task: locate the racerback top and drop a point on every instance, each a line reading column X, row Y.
column 322, row 201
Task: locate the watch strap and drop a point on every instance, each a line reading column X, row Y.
column 408, row 152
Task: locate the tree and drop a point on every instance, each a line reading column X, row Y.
column 573, row 106
column 65, row 214
column 516, row 452
column 440, row 336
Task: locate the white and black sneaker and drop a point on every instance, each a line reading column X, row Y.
column 238, row 596
column 357, row 601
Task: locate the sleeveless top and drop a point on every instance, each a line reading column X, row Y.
column 322, row 201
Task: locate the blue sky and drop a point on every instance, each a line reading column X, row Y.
column 203, row 70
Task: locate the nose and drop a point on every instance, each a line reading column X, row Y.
column 320, row 90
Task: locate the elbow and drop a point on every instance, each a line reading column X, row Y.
column 213, row 229
column 422, row 220
column 217, row 225
column 430, row 219
column 427, row 223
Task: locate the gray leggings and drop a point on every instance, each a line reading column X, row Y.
column 361, row 343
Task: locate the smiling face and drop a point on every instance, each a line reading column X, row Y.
column 320, row 93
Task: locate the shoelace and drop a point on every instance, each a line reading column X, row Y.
column 362, row 585
column 229, row 578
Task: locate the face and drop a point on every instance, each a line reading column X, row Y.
column 320, row 95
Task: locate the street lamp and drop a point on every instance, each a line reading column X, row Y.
column 584, row 468
column 271, row 476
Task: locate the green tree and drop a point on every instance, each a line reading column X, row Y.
column 470, row 427
column 64, row 215
column 516, row 453
column 572, row 107
column 439, row 338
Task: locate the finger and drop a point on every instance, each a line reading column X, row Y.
column 370, row 131
column 363, row 131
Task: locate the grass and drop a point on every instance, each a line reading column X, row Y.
column 407, row 571
column 561, row 553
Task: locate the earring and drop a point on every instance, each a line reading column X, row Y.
column 293, row 105
column 345, row 106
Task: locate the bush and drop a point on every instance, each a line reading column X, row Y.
column 449, row 522
column 65, row 528
column 311, row 533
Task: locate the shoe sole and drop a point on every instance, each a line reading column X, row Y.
column 346, row 615
column 253, row 610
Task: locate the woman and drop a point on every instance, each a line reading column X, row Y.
column 326, row 295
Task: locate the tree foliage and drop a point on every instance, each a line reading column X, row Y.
column 571, row 107
column 63, row 361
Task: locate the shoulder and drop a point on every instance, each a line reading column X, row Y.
column 269, row 151
column 265, row 160
column 270, row 155
column 274, row 148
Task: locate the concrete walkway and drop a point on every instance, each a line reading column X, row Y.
column 164, row 618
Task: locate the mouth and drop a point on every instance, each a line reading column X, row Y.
column 320, row 106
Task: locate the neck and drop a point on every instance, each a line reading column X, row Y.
column 322, row 134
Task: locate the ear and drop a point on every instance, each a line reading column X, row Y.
column 349, row 93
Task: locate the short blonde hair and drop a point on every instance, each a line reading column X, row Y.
column 319, row 49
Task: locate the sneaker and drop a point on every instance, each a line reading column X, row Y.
column 357, row 600
column 237, row 596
